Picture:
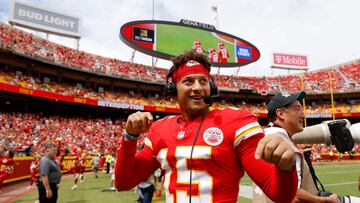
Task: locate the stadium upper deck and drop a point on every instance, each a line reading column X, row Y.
column 345, row 77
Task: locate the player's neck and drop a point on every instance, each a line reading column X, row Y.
column 193, row 116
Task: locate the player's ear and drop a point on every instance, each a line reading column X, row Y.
column 280, row 113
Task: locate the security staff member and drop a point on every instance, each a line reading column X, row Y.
column 50, row 176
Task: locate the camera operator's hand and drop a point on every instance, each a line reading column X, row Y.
column 333, row 199
column 278, row 150
column 138, row 123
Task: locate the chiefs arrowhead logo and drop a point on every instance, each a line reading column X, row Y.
column 213, row 136
column 192, row 63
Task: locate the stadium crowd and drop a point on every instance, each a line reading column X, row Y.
column 131, row 97
column 344, row 77
column 28, row 133
column 22, row 131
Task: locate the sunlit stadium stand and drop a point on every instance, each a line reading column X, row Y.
column 344, row 77
column 21, row 130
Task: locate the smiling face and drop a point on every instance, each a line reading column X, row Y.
column 191, row 91
column 291, row 118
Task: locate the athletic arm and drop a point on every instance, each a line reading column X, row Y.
column 279, row 186
column 45, row 181
column 131, row 168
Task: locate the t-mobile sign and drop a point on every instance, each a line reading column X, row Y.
column 290, row 60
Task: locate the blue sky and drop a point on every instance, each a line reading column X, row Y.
column 326, row 31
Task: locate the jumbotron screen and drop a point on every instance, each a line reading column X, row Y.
column 164, row 39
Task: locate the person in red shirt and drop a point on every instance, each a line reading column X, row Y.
column 7, row 166
column 59, row 160
column 213, row 55
column 82, row 166
column 204, row 153
column 223, row 53
column 197, row 47
column 34, row 171
column 77, row 169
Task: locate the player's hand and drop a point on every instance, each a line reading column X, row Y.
column 138, row 123
column 278, row 150
column 48, row 194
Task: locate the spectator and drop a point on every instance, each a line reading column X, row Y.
column 7, row 166
column 145, row 190
column 50, row 176
column 95, row 164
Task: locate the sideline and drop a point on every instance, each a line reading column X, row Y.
column 346, row 183
column 16, row 190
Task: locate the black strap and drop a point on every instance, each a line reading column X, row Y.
column 191, row 153
column 312, row 172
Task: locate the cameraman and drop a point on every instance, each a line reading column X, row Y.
column 287, row 116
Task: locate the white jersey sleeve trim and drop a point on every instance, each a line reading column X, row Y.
column 246, row 132
column 148, row 143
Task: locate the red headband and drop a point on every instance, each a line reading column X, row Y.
column 190, row 67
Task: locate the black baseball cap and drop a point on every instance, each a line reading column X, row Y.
column 283, row 99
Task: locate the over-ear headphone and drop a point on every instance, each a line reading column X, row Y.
column 170, row 87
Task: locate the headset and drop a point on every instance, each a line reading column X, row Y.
column 170, row 87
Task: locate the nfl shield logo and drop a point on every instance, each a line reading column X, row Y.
column 181, row 135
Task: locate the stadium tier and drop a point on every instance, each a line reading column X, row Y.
column 345, row 77
column 32, row 67
column 54, row 90
column 23, row 131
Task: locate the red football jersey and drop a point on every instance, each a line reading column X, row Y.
column 82, row 160
column 198, row 49
column 214, row 57
column 223, row 151
column 223, row 55
column 77, row 160
column 34, row 166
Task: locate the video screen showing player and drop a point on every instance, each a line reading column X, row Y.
column 197, row 47
column 223, row 53
column 213, row 55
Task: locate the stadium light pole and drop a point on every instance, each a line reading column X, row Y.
column 153, row 14
column 303, row 101
column 332, row 97
column 214, row 9
column 132, row 56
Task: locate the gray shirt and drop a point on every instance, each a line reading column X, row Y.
column 96, row 160
column 50, row 168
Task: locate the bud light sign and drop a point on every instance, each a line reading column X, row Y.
column 243, row 52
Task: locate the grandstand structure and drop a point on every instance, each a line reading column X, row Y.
column 52, row 92
column 111, row 80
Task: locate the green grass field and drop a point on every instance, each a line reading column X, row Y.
column 175, row 39
column 339, row 177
